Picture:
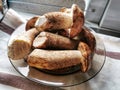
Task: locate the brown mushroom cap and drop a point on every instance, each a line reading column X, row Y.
column 78, row 21
column 30, row 23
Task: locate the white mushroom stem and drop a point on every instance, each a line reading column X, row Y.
column 54, row 20
column 21, row 45
column 52, row 60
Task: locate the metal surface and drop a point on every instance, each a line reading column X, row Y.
column 105, row 13
column 111, row 19
column 107, row 31
column 96, row 9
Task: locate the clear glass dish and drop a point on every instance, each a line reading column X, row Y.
column 61, row 80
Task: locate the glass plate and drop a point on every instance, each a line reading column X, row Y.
column 60, row 80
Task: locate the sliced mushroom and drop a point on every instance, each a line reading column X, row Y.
column 21, row 45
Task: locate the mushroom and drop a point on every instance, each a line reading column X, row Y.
column 78, row 21
column 31, row 23
column 69, row 20
column 53, row 21
column 87, row 54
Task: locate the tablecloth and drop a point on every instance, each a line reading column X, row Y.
column 107, row 79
